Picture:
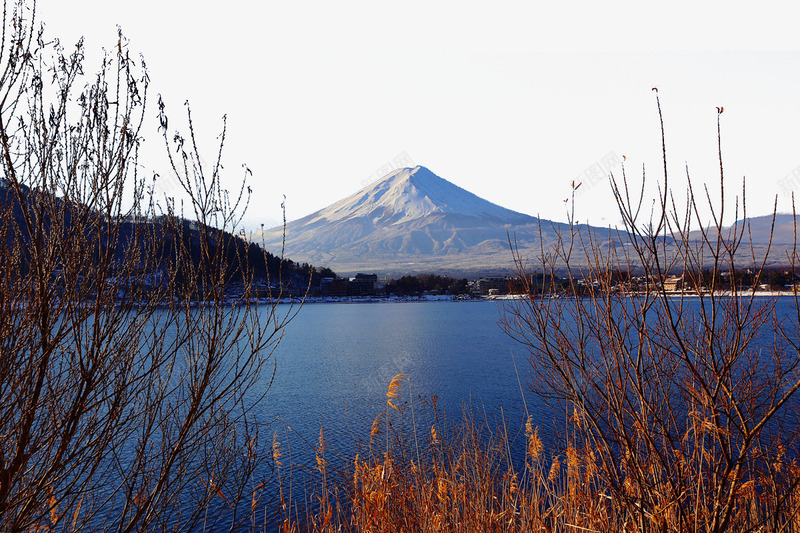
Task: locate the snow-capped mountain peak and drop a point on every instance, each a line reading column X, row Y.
column 411, row 193
column 409, row 220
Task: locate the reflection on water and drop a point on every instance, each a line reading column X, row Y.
column 336, row 360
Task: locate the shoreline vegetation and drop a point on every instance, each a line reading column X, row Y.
column 473, row 476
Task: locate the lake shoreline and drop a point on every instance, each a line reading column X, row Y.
column 481, row 298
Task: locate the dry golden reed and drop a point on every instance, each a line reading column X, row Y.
column 394, row 389
column 276, row 450
column 466, row 480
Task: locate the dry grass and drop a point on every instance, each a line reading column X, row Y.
column 468, row 479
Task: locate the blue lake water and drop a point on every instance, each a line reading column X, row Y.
column 334, row 365
column 336, row 360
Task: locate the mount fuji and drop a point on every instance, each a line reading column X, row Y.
column 412, row 221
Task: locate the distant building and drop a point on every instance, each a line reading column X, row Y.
column 642, row 284
column 362, row 285
column 484, row 285
column 673, row 283
column 333, row 286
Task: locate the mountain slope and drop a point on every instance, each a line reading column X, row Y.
column 759, row 236
column 140, row 244
column 413, row 221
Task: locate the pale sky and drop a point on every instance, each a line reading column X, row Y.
column 509, row 100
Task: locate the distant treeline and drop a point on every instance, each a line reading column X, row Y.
column 773, row 278
column 430, row 283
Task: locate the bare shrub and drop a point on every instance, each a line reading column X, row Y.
column 128, row 368
column 683, row 396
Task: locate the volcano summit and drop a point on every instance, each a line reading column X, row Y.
column 412, row 221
